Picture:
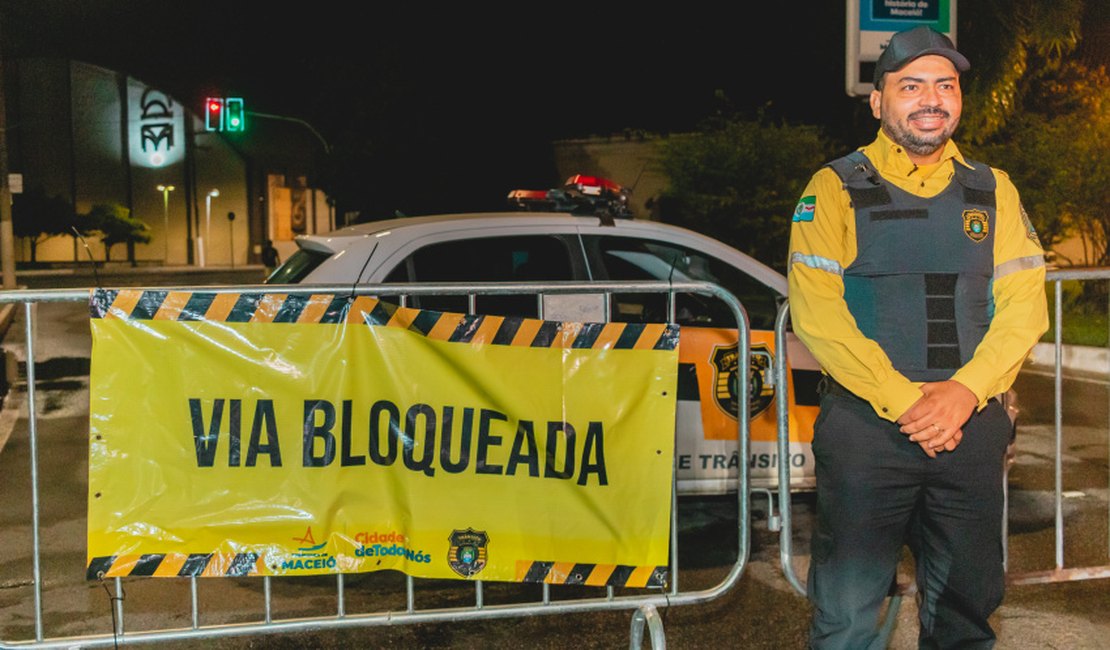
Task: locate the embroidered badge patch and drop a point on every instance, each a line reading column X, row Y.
column 1030, row 232
column 805, row 208
column 975, row 225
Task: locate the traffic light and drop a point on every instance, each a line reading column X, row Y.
column 214, row 114
column 233, row 114
column 225, row 114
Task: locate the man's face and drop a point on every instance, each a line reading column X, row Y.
column 919, row 106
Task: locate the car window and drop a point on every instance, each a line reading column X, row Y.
column 523, row 258
column 299, row 265
column 630, row 258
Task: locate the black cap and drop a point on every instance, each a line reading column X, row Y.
column 919, row 41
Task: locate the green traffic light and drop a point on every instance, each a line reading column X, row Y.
column 235, row 111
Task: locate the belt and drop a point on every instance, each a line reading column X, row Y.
column 829, row 386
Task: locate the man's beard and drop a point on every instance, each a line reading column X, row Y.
column 916, row 144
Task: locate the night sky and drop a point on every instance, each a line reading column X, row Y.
column 450, row 109
column 464, row 100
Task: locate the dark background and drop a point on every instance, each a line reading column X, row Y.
column 430, row 109
column 557, row 69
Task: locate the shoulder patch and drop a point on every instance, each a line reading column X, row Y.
column 1030, row 232
column 804, row 210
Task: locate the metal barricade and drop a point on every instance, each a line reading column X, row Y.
column 644, row 606
column 1060, row 572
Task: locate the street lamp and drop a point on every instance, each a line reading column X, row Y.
column 207, row 224
column 165, row 190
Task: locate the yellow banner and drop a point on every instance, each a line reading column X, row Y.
column 265, row 434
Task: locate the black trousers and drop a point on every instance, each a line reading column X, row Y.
column 877, row 492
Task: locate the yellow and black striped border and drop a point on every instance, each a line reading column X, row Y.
column 206, row 565
column 593, row 575
column 153, row 304
column 168, row 565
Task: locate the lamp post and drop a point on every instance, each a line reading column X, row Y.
column 207, row 225
column 165, row 190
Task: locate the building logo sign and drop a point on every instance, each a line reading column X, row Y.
column 156, row 129
column 157, row 124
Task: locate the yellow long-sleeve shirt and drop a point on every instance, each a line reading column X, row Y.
column 823, row 244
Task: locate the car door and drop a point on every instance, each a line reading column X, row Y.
column 709, row 368
column 539, row 257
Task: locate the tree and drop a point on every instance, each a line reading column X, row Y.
column 37, row 217
column 1008, row 42
column 1055, row 150
column 1035, row 110
column 117, row 226
column 738, row 180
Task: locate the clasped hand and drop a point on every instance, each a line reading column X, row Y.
column 936, row 420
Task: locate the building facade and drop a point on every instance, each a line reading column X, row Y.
column 95, row 136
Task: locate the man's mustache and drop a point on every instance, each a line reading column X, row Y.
column 929, row 112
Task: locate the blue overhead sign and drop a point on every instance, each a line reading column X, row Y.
column 871, row 23
column 896, row 11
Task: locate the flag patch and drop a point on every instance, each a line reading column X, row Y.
column 805, row 208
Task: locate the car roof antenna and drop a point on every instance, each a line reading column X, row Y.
column 96, row 276
column 354, row 285
column 670, row 277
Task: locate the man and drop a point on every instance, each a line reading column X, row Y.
column 270, row 258
column 917, row 281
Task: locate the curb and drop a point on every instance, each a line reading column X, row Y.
column 1082, row 358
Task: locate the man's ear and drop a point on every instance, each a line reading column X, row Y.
column 876, row 103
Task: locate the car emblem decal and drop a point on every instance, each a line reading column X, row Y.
column 976, row 225
column 726, row 390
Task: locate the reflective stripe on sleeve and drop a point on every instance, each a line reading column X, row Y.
column 817, row 262
column 1018, row 264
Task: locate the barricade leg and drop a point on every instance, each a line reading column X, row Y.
column 655, row 628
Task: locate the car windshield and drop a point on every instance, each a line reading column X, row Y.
column 299, row 265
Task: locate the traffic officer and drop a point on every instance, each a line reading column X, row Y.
column 917, row 282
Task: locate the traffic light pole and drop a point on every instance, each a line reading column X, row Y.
column 327, row 147
column 7, row 238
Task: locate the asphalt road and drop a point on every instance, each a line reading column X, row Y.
column 761, row 611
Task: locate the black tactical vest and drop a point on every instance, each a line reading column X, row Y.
column 921, row 282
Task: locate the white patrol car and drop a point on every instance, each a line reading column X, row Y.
column 535, row 244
